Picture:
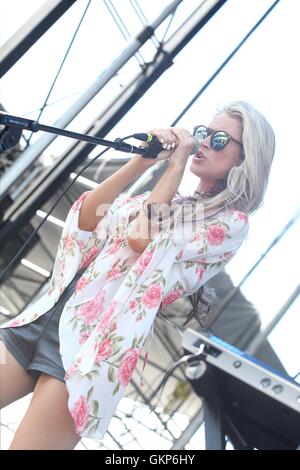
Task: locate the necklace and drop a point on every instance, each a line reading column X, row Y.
column 203, row 194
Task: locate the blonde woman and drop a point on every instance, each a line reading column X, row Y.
column 119, row 261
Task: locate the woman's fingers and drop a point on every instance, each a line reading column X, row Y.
column 174, row 140
column 165, row 137
column 173, row 137
column 185, row 140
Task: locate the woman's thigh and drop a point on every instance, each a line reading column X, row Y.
column 15, row 382
column 48, row 423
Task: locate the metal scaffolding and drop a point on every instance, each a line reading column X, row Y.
column 28, row 186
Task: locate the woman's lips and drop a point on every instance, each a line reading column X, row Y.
column 199, row 156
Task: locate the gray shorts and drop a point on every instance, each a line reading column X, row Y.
column 36, row 345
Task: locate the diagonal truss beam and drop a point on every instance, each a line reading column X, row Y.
column 25, row 207
column 31, row 32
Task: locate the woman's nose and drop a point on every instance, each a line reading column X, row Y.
column 205, row 142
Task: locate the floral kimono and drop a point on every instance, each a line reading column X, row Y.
column 105, row 323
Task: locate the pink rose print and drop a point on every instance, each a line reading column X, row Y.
column 242, row 216
column 68, row 242
column 215, row 235
column 143, row 261
column 80, row 413
column 89, row 311
column 14, row 323
column 180, row 254
column 112, row 326
column 172, row 296
column 88, row 257
column 200, row 272
column 227, row 255
column 105, row 350
column 115, row 246
column 132, row 304
column 84, row 335
column 80, row 244
column 62, row 265
column 71, row 370
column 152, row 296
column 127, row 366
column 83, row 281
column 115, row 271
column 77, row 203
column 106, row 316
column 126, row 200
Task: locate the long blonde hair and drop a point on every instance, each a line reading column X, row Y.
column 244, row 188
column 246, row 183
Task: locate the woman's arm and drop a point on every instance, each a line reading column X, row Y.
column 165, row 189
column 99, row 200
column 163, row 192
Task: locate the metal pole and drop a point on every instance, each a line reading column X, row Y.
column 34, row 151
column 257, row 341
column 31, row 31
column 190, row 430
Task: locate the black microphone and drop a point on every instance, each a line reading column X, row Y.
column 155, row 146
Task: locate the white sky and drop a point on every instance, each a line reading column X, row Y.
column 264, row 72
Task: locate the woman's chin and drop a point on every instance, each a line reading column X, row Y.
column 194, row 168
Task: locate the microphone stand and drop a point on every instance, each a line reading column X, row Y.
column 14, row 126
column 12, row 132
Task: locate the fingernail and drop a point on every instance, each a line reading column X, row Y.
column 173, row 145
column 161, row 140
column 168, row 146
column 164, row 146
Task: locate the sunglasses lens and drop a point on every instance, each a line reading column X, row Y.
column 219, row 140
column 200, row 132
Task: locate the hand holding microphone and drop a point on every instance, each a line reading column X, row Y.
column 174, row 144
